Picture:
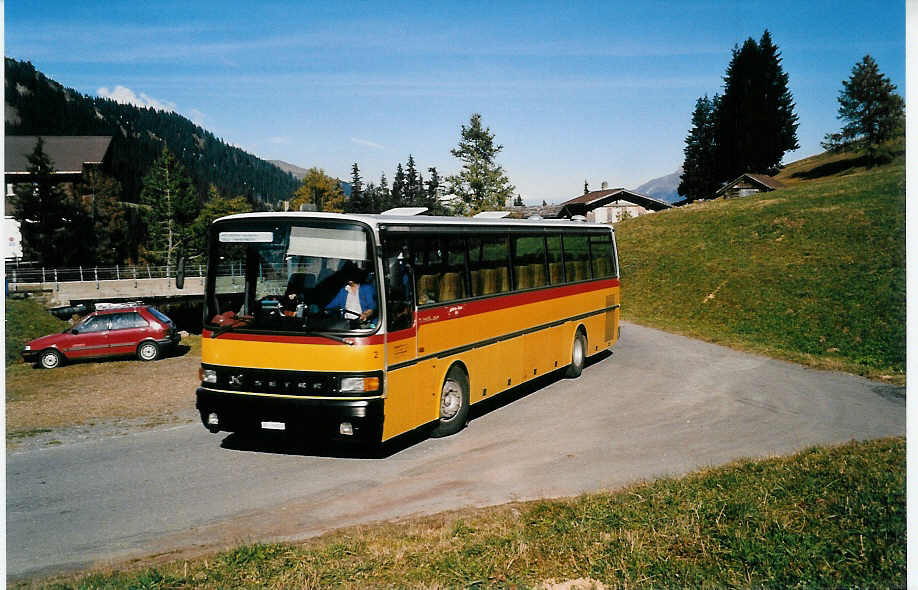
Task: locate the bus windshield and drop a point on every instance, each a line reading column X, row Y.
column 292, row 276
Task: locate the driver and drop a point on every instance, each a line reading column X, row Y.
column 357, row 297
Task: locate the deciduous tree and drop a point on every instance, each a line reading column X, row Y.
column 321, row 190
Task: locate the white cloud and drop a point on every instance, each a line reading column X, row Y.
column 125, row 95
column 367, row 143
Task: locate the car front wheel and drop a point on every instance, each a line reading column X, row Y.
column 148, row 351
column 50, row 359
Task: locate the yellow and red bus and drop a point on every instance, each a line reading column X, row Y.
column 465, row 309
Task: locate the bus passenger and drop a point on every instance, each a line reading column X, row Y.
column 357, row 296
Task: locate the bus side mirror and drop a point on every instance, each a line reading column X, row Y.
column 180, row 274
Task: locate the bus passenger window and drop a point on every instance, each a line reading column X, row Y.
column 529, row 261
column 576, row 257
column 489, row 265
column 399, row 286
column 555, row 261
column 601, row 251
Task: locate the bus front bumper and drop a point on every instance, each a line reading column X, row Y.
column 308, row 417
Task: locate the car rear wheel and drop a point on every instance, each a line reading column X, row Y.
column 50, row 359
column 148, row 351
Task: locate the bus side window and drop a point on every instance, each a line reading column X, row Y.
column 576, row 257
column 428, row 268
column 555, row 260
column 399, row 286
column 601, row 253
column 528, row 261
column 489, row 263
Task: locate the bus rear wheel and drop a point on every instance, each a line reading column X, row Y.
column 454, row 404
column 578, row 356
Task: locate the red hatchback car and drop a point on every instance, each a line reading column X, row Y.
column 141, row 329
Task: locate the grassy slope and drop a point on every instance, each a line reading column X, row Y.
column 826, row 518
column 814, row 272
column 27, row 319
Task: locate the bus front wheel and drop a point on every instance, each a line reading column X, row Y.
column 454, row 404
column 578, row 356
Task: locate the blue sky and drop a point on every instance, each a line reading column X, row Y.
column 572, row 90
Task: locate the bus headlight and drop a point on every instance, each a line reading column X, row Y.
column 208, row 376
column 359, row 384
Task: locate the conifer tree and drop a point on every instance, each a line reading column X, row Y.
column 397, row 197
column 108, row 215
column 48, row 217
column 872, row 109
column 482, row 183
column 699, row 171
column 171, row 205
column 586, row 187
column 756, row 123
column 216, row 206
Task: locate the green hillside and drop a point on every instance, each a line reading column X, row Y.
column 814, row 272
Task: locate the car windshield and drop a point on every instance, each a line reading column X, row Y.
column 293, row 276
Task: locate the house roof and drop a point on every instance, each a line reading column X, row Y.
column 767, row 183
column 594, row 199
column 68, row 153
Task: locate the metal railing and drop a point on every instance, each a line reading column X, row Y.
column 16, row 274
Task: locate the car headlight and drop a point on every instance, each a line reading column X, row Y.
column 208, row 376
column 359, row 384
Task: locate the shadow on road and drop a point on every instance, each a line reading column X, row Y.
column 293, row 444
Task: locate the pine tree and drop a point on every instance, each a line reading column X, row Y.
column 358, row 201
column 699, row 173
column 872, row 109
column 216, row 206
column 397, row 197
column 518, row 201
column 172, row 205
column 481, row 184
column 756, row 123
column 108, row 215
column 586, row 187
column 48, row 217
column 413, row 184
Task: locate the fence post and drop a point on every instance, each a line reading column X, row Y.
column 149, row 276
column 57, row 285
column 95, row 272
column 43, row 275
column 81, row 273
column 135, row 276
column 168, row 277
column 117, row 273
column 201, row 274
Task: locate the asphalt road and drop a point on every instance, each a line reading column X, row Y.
column 660, row 404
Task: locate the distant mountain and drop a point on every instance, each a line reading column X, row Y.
column 663, row 188
column 37, row 105
column 299, row 173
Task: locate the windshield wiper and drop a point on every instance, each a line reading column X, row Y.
column 331, row 337
column 245, row 321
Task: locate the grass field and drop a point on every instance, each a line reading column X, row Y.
column 813, row 273
column 26, row 319
column 823, row 518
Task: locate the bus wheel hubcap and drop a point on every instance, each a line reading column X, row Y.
column 578, row 352
column 450, row 400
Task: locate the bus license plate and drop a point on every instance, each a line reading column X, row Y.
column 273, row 426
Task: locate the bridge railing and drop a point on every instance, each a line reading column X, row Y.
column 110, row 273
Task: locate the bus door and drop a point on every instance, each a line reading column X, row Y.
column 402, row 409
